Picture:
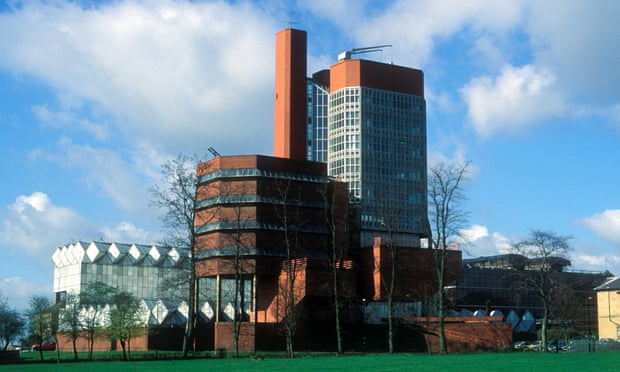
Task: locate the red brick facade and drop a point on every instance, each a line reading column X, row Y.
column 466, row 334
column 271, row 208
column 138, row 343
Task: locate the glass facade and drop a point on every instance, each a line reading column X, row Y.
column 220, row 291
column 377, row 144
column 142, row 270
column 317, row 118
column 137, row 269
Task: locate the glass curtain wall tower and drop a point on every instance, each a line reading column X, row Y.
column 376, row 138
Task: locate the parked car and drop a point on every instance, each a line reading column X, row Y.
column 46, row 346
column 533, row 346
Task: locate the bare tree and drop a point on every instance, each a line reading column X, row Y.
column 335, row 196
column 288, row 211
column 447, row 217
column 566, row 309
column 545, row 253
column 389, row 223
column 176, row 197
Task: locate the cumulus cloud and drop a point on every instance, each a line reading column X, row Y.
column 580, row 42
column 35, row 226
column 517, row 98
column 537, row 65
column 126, row 232
column 595, row 261
column 605, row 225
column 478, row 241
column 173, row 73
column 413, row 27
column 474, row 232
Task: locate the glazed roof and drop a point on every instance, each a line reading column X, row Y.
column 119, row 254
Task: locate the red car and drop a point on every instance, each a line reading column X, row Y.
column 46, row 346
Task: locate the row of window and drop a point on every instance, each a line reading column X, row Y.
column 234, row 299
column 258, row 225
column 238, row 199
column 253, row 172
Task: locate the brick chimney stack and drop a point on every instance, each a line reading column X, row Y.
column 290, row 95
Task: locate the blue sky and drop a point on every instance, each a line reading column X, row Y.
column 95, row 96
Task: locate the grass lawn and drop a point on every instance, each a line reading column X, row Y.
column 517, row 361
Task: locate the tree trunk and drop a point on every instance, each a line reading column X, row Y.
column 337, row 310
column 188, row 339
column 543, row 328
column 391, row 289
column 443, row 349
column 129, row 347
column 390, row 326
column 123, row 347
column 74, row 342
column 440, row 316
column 91, row 342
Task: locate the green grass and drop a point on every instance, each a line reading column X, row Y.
column 518, row 361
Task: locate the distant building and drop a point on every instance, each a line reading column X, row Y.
column 492, row 284
column 608, row 309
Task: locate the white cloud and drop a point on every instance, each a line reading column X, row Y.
column 580, row 42
column 414, row 27
column 474, row 232
column 539, row 65
column 126, row 232
column 605, row 225
column 477, row 242
column 32, row 228
column 596, row 261
column 517, row 98
column 35, row 226
column 19, row 291
column 124, row 175
column 173, row 73
column 592, row 260
column 69, row 120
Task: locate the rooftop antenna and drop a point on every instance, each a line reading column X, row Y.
column 348, row 53
column 213, row 152
column 289, row 21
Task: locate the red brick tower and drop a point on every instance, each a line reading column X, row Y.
column 290, row 95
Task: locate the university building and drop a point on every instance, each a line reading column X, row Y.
column 345, row 187
column 139, row 269
column 344, row 193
